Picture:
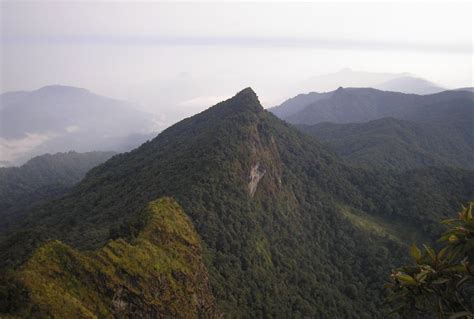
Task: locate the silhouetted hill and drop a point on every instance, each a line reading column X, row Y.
column 470, row 89
column 348, row 105
column 60, row 118
column 409, row 84
column 297, row 103
column 397, row 82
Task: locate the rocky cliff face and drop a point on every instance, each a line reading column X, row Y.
column 256, row 174
column 265, row 162
column 160, row 274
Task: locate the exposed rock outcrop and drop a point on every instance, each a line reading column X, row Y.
column 256, row 174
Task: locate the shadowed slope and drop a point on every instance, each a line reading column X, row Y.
column 397, row 144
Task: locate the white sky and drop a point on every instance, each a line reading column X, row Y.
column 177, row 58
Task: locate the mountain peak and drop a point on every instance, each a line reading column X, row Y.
column 248, row 95
column 248, row 91
column 339, row 92
column 61, row 89
column 245, row 100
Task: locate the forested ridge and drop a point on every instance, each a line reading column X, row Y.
column 41, row 179
column 315, row 239
column 388, row 130
column 159, row 272
column 390, row 143
column 358, row 105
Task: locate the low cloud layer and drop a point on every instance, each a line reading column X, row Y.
column 11, row 149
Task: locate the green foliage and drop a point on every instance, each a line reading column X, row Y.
column 358, row 105
column 388, row 130
column 41, row 179
column 440, row 282
column 397, row 144
column 286, row 251
column 159, row 273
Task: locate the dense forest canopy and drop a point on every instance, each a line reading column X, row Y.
column 388, row 130
column 41, row 179
column 312, row 236
column 389, row 143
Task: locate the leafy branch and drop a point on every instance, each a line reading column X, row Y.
column 441, row 282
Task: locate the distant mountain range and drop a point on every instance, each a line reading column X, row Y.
column 298, row 103
column 409, row 84
column 389, row 143
column 389, row 129
column 397, row 82
column 61, row 118
column 347, row 105
column 470, row 89
column 231, row 212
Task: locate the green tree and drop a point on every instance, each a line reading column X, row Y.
column 440, row 283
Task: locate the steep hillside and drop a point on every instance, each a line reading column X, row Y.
column 159, row 274
column 283, row 221
column 397, row 144
column 61, row 118
column 41, row 179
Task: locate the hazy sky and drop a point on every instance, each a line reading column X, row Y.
column 176, row 58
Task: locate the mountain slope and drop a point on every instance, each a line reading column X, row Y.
column 396, row 144
column 394, row 130
column 469, row 89
column 270, row 205
column 362, row 105
column 146, row 278
column 409, row 84
column 41, row 179
column 297, row 103
column 357, row 105
column 61, row 118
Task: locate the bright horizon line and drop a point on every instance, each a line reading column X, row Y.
column 257, row 42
